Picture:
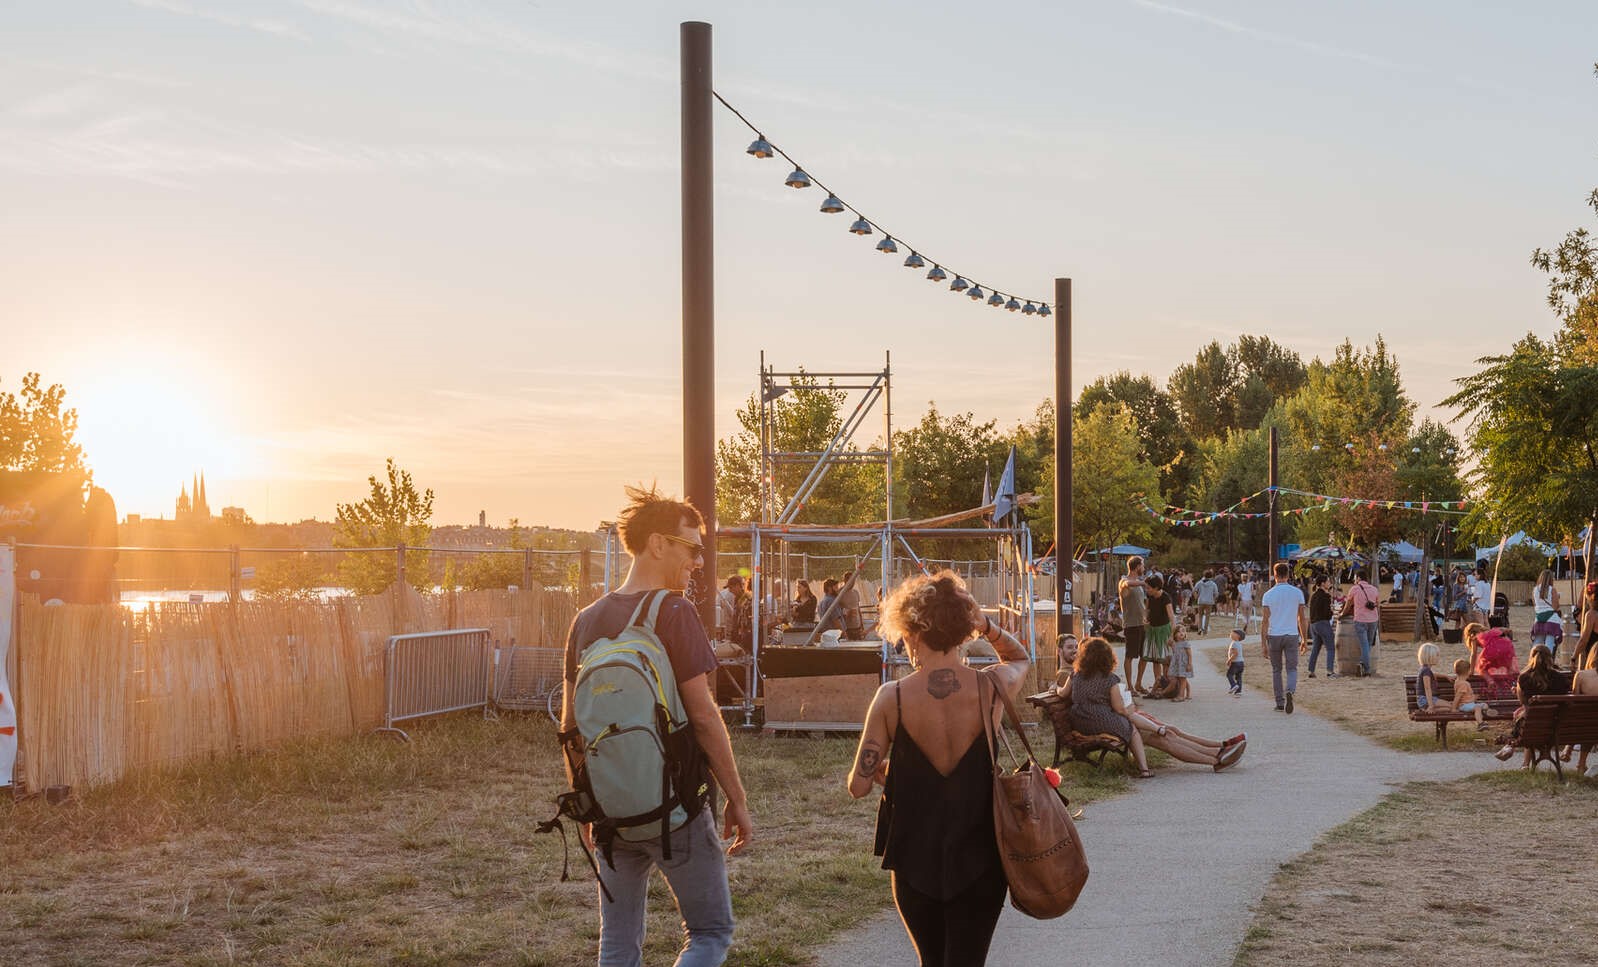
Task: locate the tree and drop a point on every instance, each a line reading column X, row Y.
column 804, row 420
column 36, row 432
column 1108, row 477
column 1166, row 442
column 393, row 513
column 1358, row 394
column 1534, row 428
column 1572, row 270
column 1233, row 388
column 1202, row 390
column 939, row 463
column 293, row 578
column 1236, row 466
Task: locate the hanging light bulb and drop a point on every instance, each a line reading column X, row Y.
column 861, row 227
column 958, row 285
column 833, row 205
column 798, row 179
column 1012, row 305
column 914, row 261
column 937, row 274
column 1043, row 310
column 976, row 293
column 761, row 148
column 1029, row 310
column 996, row 300
column 886, row 246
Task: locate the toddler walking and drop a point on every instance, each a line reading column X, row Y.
column 1234, row 663
column 1182, row 663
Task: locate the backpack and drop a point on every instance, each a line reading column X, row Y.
column 635, row 767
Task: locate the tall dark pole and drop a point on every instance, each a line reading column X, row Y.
column 1064, row 534
column 1271, row 535
column 699, row 306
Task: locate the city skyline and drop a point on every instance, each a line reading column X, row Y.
column 281, row 242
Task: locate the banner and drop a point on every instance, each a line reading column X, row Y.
column 8, row 708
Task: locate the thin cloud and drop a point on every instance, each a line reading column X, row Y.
column 276, row 28
column 1233, row 26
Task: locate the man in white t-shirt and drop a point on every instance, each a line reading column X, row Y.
column 1285, row 623
column 1482, row 592
column 1245, row 600
column 1398, row 587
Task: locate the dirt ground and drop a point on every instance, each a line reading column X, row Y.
column 1495, row 869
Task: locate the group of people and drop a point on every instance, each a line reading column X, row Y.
column 838, row 609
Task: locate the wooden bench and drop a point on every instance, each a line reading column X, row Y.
column 1554, row 721
column 1070, row 743
column 1500, row 704
column 1500, row 699
column 1397, row 621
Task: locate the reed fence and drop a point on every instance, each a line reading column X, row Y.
column 103, row 690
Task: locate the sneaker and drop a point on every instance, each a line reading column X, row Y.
column 1311, row 674
column 1502, row 755
column 1280, row 708
column 1289, row 708
column 1333, row 675
column 1481, row 726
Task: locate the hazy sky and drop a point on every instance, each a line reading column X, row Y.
column 281, row 241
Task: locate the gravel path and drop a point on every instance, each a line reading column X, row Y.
column 1178, row 865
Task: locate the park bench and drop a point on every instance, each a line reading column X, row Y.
column 1501, row 702
column 1555, row 721
column 1398, row 621
column 1070, row 743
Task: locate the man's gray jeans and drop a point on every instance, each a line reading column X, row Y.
column 697, row 875
column 1283, row 649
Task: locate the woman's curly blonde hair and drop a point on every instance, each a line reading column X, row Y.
column 933, row 607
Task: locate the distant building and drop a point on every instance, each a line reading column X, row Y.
column 482, row 518
column 195, row 509
column 235, row 515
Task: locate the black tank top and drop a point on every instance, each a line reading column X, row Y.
column 943, row 840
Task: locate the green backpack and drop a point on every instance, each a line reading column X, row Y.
column 635, row 767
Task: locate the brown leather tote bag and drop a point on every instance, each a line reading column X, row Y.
column 1043, row 859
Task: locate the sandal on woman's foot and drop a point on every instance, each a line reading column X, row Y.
column 1145, row 774
column 1162, row 730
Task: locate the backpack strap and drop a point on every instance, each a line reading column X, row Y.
column 649, row 609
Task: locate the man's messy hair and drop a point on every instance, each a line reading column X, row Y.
column 651, row 512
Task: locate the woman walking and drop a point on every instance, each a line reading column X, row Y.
column 925, row 743
column 1545, row 628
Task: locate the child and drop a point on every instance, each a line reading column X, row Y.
column 1465, row 697
column 1426, row 679
column 1181, row 663
column 1234, row 663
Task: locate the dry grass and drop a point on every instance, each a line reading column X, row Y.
column 365, row 850
column 1388, row 887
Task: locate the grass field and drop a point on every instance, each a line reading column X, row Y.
column 366, row 850
column 1494, row 869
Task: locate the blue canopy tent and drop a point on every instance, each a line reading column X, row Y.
column 1122, row 550
column 1402, row 551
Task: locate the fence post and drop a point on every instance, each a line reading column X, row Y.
column 527, row 568
column 235, row 576
column 584, row 578
column 399, row 563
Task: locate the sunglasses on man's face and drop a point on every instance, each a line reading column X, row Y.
column 695, row 548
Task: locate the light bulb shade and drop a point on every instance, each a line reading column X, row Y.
column 860, row 227
column 914, row 261
column 761, row 148
column 833, row 205
column 1029, row 310
column 1012, row 305
column 996, row 300
column 1044, row 310
column 937, row 274
column 958, row 284
column 886, row 246
column 976, row 293
column 798, row 179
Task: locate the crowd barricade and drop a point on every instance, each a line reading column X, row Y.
column 434, row 672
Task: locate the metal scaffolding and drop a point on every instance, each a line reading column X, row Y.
column 778, row 529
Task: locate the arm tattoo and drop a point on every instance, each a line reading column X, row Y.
column 870, row 758
column 942, row 682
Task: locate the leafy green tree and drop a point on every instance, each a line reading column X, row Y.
column 939, row 463
column 292, row 578
column 1533, row 416
column 1165, row 440
column 37, row 430
column 1202, row 390
column 1108, row 475
column 1358, row 395
column 1233, row 388
column 804, row 420
column 496, row 570
column 1235, row 466
column 393, row 513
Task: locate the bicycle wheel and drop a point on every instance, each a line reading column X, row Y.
column 553, row 705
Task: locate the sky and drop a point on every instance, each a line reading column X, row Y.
column 279, row 242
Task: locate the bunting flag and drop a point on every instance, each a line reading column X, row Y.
column 1189, row 517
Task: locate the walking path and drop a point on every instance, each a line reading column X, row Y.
column 1178, row 865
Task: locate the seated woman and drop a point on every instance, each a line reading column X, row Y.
column 804, row 604
column 1539, row 678
column 1096, row 703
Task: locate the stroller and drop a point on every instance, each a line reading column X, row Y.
column 1500, row 616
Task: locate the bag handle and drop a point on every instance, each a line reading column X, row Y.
column 1010, row 715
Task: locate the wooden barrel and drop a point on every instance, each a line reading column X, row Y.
column 1348, row 649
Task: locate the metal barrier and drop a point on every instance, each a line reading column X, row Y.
column 529, row 679
column 436, row 672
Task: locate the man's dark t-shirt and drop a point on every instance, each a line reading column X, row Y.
column 677, row 627
column 1320, row 606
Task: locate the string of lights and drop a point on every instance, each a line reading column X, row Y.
column 889, row 245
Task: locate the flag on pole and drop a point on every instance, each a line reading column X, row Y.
column 987, row 492
column 1004, row 497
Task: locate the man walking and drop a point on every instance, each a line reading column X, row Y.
column 1134, row 619
column 662, row 536
column 1207, row 592
column 1284, row 629
column 1245, row 601
column 1366, row 602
